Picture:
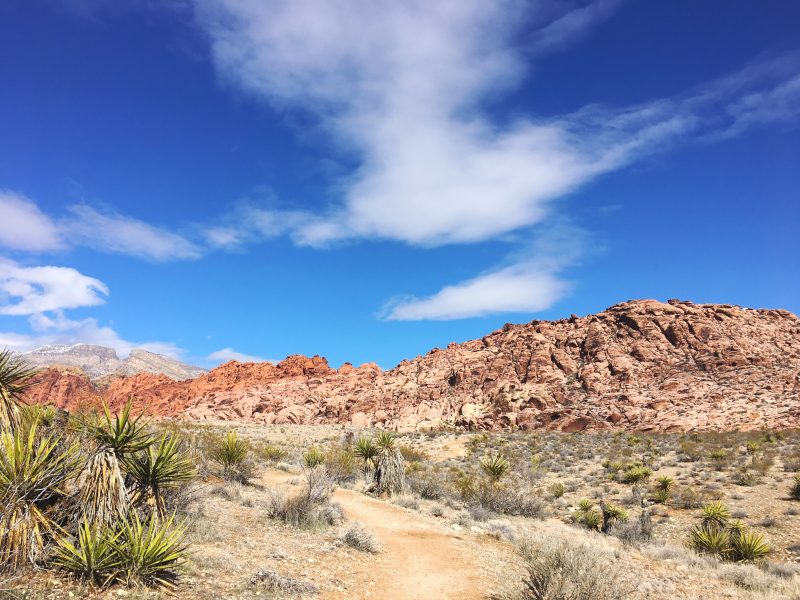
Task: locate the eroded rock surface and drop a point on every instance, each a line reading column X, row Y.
column 642, row 365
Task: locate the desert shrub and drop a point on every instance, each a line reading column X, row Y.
column 687, row 497
column 558, row 489
column 340, row 463
column 271, row 453
column 566, row 569
column 635, row 531
column 411, row 454
column 231, row 452
column 746, row 477
column 794, row 492
column 313, row 457
column 271, row 581
column 748, row 577
column 356, row 536
column 406, row 501
column 303, row 512
column 427, row 484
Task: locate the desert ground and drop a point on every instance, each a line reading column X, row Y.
column 461, row 529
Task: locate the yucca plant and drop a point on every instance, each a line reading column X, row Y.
column 636, row 475
column 367, row 451
column 156, row 470
column 715, row 514
column 230, row 453
column 612, row 513
column 495, row 466
column 150, row 552
column 313, row 457
column 104, row 496
column 33, row 470
column 93, row 557
column 710, row 540
column 15, row 379
column 749, row 546
column 385, row 441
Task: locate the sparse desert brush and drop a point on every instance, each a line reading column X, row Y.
column 360, row 538
column 558, row 489
column 230, row 452
column 271, row 452
column 794, row 492
column 301, row 511
column 411, row 454
column 340, row 463
column 587, row 516
column 569, row 569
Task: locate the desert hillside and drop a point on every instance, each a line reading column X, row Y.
column 639, row 365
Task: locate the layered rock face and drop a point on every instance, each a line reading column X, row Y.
column 639, row 365
column 98, row 362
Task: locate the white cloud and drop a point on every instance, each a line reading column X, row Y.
column 58, row 329
column 228, row 354
column 31, row 290
column 112, row 232
column 25, row 227
column 531, row 282
column 403, row 86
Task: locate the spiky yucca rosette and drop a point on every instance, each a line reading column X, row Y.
column 14, row 381
column 104, row 497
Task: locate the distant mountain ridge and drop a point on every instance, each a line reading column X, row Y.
column 98, row 362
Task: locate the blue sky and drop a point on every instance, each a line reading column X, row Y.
column 216, row 179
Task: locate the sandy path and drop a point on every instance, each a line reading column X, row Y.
column 419, row 559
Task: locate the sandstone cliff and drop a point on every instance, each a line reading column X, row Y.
column 639, row 365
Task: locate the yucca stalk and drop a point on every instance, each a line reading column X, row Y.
column 104, row 496
column 150, row 552
column 32, row 473
column 92, row 557
column 156, row 470
column 15, row 379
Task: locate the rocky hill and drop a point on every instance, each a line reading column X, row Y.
column 639, row 365
column 97, row 362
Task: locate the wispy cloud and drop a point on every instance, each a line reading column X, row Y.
column 404, row 86
column 25, row 226
column 112, row 232
column 530, row 281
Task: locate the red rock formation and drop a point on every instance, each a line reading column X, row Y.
column 642, row 365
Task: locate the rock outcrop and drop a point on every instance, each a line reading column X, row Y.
column 99, row 362
column 639, row 365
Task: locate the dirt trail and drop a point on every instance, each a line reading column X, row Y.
column 420, row 560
